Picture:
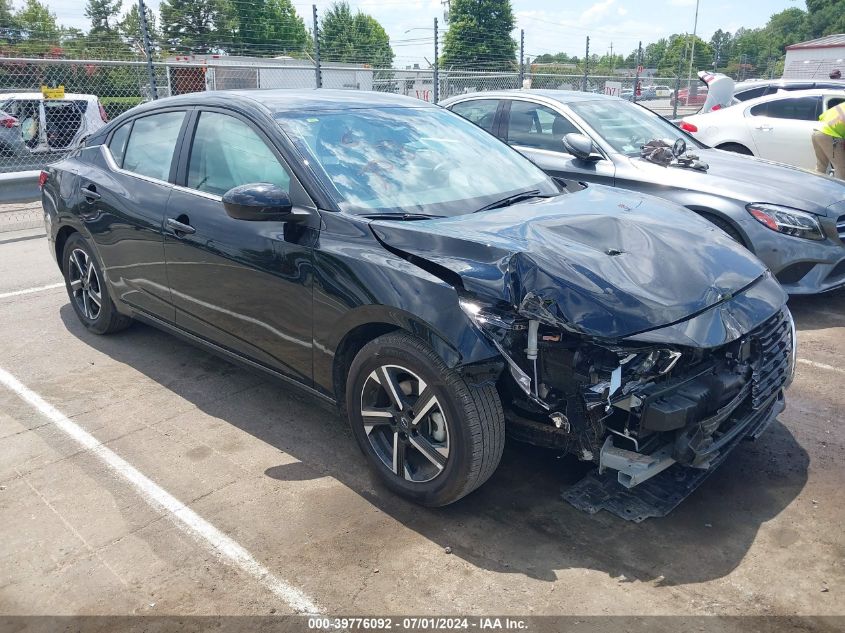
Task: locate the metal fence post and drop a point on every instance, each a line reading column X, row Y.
column 586, row 66
column 436, row 71
column 521, row 58
column 677, row 90
column 637, row 75
column 318, row 72
column 148, row 49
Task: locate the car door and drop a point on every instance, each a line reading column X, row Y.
column 123, row 193
column 537, row 132
column 782, row 129
column 244, row 285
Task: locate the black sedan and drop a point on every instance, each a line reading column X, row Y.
column 793, row 220
column 391, row 257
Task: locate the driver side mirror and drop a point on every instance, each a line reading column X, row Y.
column 580, row 147
column 258, row 202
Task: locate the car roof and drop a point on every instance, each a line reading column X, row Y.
column 793, row 94
column 38, row 96
column 285, row 100
column 561, row 96
column 763, row 83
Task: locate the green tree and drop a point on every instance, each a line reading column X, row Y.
column 7, row 17
column 38, row 27
column 265, row 27
column 354, row 39
column 790, row 26
column 653, row 53
column 192, row 26
column 825, row 17
column 676, row 60
column 129, row 28
column 103, row 15
column 722, row 44
column 479, row 35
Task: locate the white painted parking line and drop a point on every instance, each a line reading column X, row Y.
column 812, row 363
column 26, row 291
column 186, row 519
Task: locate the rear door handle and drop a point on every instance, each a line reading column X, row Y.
column 90, row 194
column 180, row 227
column 765, row 128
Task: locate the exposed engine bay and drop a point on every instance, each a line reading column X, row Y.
column 636, row 408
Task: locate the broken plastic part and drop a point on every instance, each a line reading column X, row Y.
column 634, row 468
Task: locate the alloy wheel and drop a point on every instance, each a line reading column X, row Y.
column 85, row 284
column 405, row 423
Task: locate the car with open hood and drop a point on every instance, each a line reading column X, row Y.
column 387, row 255
column 793, row 220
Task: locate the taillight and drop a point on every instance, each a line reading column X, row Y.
column 686, row 126
column 103, row 115
column 8, row 121
column 42, row 179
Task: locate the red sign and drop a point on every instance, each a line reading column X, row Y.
column 640, row 70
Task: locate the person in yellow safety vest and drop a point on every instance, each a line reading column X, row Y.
column 828, row 141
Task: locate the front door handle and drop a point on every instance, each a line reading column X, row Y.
column 765, row 128
column 90, row 194
column 180, row 227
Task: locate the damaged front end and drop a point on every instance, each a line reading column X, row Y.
column 636, row 335
column 635, row 406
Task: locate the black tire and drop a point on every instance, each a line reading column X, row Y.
column 736, row 148
column 726, row 226
column 102, row 319
column 471, row 416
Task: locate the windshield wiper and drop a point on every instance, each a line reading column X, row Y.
column 400, row 216
column 517, row 197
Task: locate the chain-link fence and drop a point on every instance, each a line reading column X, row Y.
column 48, row 107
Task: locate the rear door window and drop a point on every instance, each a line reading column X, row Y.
column 482, row 112
column 798, row 109
column 227, row 152
column 149, row 151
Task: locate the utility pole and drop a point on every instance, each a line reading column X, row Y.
column 521, row 58
column 611, row 58
column 148, row 49
column 318, row 71
column 436, row 75
column 692, row 53
column 586, row 66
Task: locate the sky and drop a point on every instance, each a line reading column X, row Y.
column 550, row 26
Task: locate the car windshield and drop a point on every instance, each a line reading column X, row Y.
column 410, row 160
column 627, row 127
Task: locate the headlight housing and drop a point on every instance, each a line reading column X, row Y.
column 787, row 221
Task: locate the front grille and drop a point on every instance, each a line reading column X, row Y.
column 771, row 368
column 840, row 227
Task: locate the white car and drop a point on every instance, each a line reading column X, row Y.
column 662, row 92
column 777, row 127
column 49, row 125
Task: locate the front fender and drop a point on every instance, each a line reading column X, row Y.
column 360, row 286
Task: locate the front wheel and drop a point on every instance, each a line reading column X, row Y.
column 428, row 435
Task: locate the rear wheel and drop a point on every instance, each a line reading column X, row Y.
column 427, row 434
column 736, row 148
column 86, row 287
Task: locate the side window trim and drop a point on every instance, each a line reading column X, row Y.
column 298, row 193
column 130, row 124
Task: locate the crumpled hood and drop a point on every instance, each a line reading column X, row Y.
column 752, row 180
column 605, row 262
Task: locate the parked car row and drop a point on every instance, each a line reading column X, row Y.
column 407, row 264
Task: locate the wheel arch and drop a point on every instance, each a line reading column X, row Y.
column 717, row 217
column 62, row 236
column 367, row 323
